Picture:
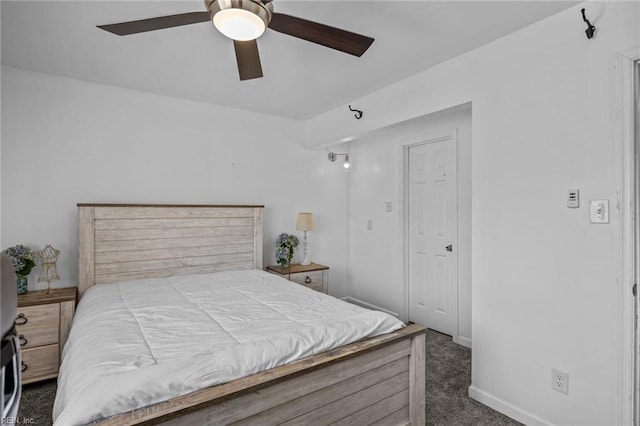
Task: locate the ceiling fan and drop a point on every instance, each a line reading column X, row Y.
column 244, row 21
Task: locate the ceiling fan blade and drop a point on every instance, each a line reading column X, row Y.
column 159, row 23
column 334, row 38
column 248, row 59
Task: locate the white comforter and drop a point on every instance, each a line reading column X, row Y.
column 137, row 343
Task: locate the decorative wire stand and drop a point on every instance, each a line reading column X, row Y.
column 47, row 258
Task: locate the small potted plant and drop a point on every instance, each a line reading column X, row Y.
column 22, row 260
column 285, row 246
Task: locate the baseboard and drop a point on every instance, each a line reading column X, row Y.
column 505, row 408
column 464, row 341
column 367, row 305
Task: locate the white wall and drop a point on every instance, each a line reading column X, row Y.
column 376, row 257
column 545, row 281
column 66, row 141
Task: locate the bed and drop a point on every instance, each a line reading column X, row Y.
column 377, row 380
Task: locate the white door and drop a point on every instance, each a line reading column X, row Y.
column 433, row 225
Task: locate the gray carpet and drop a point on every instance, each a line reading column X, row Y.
column 448, row 380
column 36, row 404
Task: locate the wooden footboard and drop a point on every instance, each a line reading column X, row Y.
column 378, row 381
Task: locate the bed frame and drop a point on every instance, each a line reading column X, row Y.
column 377, row 381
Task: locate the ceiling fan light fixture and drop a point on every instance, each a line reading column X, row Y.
column 239, row 24
column 240, row 20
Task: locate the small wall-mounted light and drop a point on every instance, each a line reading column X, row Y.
column 333, row 156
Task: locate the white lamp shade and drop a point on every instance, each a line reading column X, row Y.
column 305, row 222
column 239, row 24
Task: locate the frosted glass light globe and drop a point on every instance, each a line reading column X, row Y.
column 239, row 24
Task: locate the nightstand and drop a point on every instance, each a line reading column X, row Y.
column 314, row 276
column 43, row 323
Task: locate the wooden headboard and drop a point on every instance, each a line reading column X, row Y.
column 121, row 242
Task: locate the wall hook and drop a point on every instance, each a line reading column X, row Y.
column 590, row 28
column 358, row 113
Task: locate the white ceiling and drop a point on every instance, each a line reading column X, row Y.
column 301, row 79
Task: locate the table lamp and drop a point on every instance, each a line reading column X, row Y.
column 305, row 224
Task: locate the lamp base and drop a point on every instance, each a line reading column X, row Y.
column 305, row 251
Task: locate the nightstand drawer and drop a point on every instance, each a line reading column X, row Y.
column 313, row 276
column 38, row 336
column 42, row 323
column 37, row 316
column 315, row 286
column 313, row 279
column 40, row 363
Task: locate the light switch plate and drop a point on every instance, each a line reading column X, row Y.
column 599, row 211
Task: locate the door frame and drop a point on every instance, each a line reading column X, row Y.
column 426, row 138
column 627, row 202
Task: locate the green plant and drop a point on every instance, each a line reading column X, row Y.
column 285, row 246
column 21, row 258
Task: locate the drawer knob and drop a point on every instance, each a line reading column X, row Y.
column 20, row 320
column 24, row 367
column 23, row 340
column 307, row 280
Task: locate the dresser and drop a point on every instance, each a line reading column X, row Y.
column 314, row 276
column 43, row 322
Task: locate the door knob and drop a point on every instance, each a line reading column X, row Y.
column 449, row 247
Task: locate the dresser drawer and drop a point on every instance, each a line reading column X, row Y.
column 311, row 279
column 40, row 363
column 37, row 316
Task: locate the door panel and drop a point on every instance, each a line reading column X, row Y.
column 432, row 227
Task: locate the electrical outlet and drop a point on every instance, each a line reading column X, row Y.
column 369, row 224
column 560, row 381
column 599, row 211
